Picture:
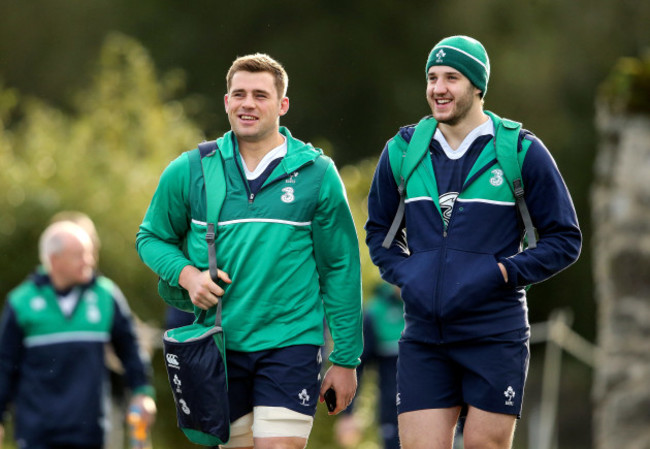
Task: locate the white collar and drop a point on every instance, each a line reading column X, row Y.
column 485, row 128
column 68, row 302
column 276, row 153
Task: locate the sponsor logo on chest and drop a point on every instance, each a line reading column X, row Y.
column 288, row 192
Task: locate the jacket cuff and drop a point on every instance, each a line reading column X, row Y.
column 146, row 390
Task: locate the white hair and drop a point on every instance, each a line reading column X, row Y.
column 53, row 240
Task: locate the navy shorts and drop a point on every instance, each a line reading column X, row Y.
column 284, row 377
column 488, row 374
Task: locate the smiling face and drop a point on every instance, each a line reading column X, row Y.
column 451, row 96
column 254, row 106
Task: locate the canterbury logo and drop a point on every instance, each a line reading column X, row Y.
column 172, row 360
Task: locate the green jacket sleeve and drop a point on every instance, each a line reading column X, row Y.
column 336, row 248
column 166, row 223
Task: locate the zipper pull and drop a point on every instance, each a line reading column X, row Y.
column 251, row 197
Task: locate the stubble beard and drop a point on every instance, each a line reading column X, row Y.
column 461, row 110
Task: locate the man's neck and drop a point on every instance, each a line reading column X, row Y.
column 59, row 284
column 254, row 151
column 456, row 133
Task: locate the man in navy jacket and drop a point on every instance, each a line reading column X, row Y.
column 53, row 333
column 459, row 258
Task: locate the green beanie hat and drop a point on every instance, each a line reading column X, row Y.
column 466, row 55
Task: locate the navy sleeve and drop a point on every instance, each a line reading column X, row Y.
column 125, row 343
column 554, row 216
column 383, row 201
column 11, row 350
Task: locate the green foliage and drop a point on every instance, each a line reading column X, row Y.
column 356, row 71
column 103, row 159
column 627, row 88
column 357, row 180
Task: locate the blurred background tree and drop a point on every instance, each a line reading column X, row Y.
column 103, row 159
column 96, row 98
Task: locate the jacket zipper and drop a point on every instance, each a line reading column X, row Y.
column 437, row 296
column 251, row 196
column 441, row 273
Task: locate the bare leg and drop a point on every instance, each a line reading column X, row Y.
column 428, row 429
column 487, row 430
column 280, row 443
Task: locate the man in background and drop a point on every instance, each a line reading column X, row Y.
column 52, row 335
column 383, row 322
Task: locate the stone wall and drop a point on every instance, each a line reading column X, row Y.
column 621, row 260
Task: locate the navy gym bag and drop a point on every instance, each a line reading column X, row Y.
column 195, row 358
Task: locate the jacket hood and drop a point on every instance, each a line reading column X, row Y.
column 298, row 154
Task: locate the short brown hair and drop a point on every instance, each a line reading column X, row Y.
column 260, row 62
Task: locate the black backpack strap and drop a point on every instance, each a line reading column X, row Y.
column 416, row 150
column 205, row 149
column 210, row 238
column 399, row 216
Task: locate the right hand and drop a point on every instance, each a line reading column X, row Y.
column 344, row 382
column 203, row 291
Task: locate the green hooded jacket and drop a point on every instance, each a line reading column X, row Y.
column 291, row 250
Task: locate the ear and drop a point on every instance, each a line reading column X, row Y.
column 284, row 106
column 225, row 102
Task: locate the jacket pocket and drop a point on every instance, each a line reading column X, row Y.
column 417, row 277
column 473, row 285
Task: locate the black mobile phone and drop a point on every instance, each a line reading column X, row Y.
column 330, row 399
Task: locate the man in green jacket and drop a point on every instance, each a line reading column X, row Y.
column 288, row 257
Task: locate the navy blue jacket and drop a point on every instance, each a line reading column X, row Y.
column 451, row 284
column 52, row 366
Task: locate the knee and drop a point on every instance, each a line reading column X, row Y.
column 486, row 441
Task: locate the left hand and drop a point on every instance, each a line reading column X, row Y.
column 147, row 406
column 504, row 272
column 344, row 382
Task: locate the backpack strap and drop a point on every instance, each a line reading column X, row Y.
column 207, row 147
column 506, row 144
column 211, row 162
column 416, row 150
